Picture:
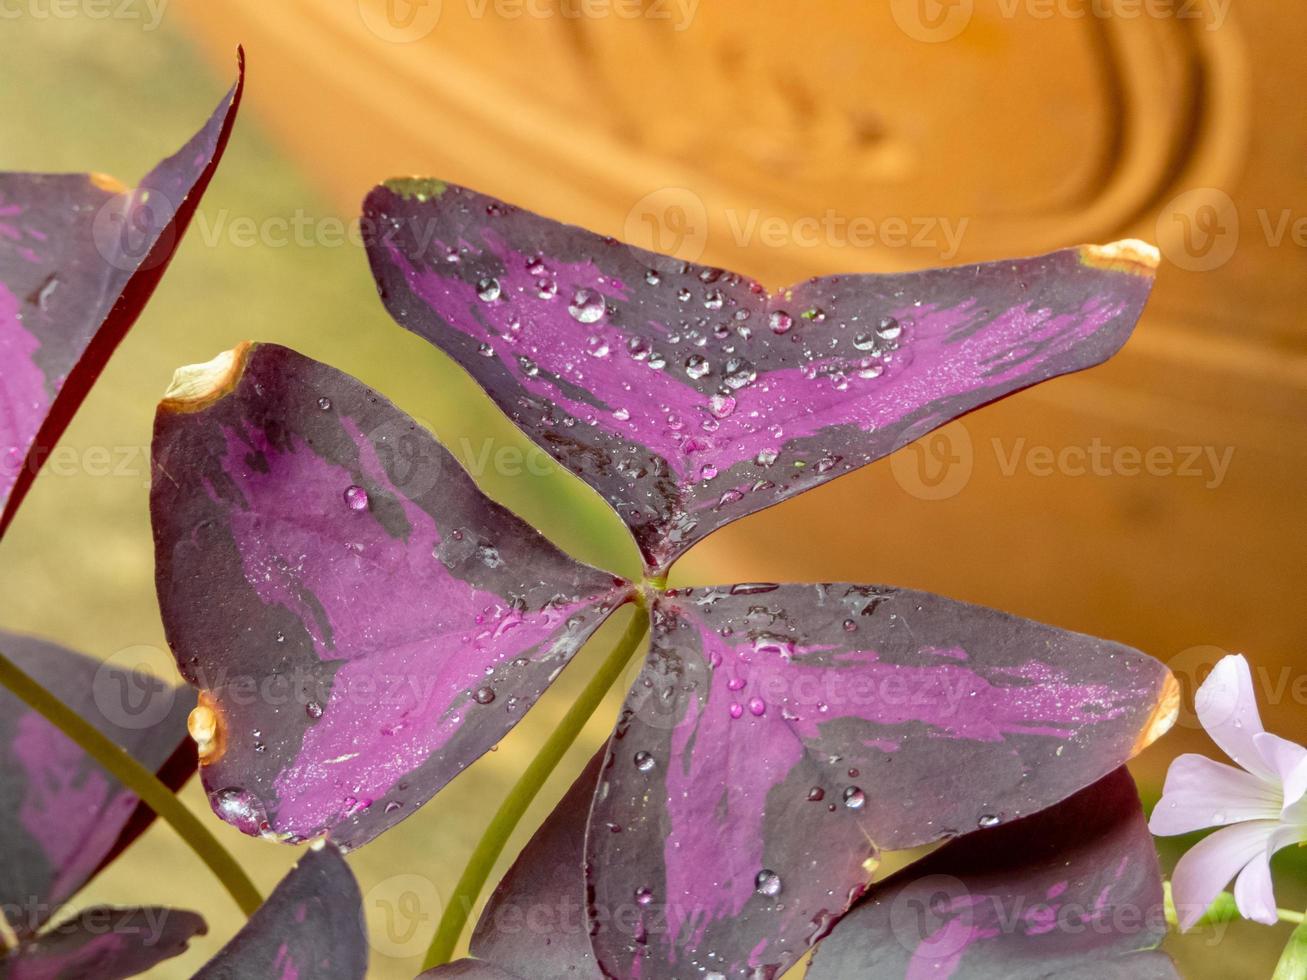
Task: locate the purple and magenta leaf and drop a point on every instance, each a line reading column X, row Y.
column 62, row 817
column 689, row 396
column 80, row 256
column 105, row 943
column 361, row 621
column 536, row 923
column 310, row 926
column 1072, row 891
column 780, row 737
column 469, row 970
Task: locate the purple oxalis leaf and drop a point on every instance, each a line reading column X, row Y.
column 105, row 943
column 779, row 737
column 361, row 621
column 80, row 256
column 310, row 926
column 689, row 396
column 536, row 922
column 64, row 817
column 1073, row 891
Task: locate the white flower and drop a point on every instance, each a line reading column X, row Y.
column 1261, row 807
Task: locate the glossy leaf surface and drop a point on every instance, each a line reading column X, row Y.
column 780, row 737
column 80, row 256
column 536, row 922
column 1073, row 891
column 62, row 816
column 690, row 396
column 362, row 622
column 310, row 926
column 104, row 943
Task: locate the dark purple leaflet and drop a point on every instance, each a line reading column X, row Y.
column 80, row 256
column 64, row 817
column 1073, row 891
column 690, row 396
column 780, row 737
column 311, row 926
column 361, row 621
column 105, row 943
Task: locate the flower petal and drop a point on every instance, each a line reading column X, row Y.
column 1202, row 792
column 1210, row 864
column 1227, row 707
column 1253, row 891
column 1289, row 760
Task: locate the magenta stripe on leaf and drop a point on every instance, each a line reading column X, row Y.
column 779, row 737
column 361, row 621
column 62, row 817
column 689, row 396
column 310, row 926
column 1072, row 891
column 105, row 943
column 80, row 256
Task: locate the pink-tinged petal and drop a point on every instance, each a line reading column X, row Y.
column 1289, row 760
column 1202, row 792
column 1253, row 891
column 1210, row 864
column 361, row 621
column 1227, row 707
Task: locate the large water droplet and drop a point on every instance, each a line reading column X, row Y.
column 767, row 883
column 643, row 896
column 721, row 406
column 587, row 306
column 356, row 498
column 313, row 709
column 324, row 404
column 484, row 695
column 888, row 328
column 696, row 367
column 854, row 798
column 780, row 322
column 488, row 289
column 644, row 761
column 987, row 821
column 241, row 809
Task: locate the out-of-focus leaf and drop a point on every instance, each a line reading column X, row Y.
column 361, row 621
column 62, row 817
column 779, row 737
column 104, row 943
column 80, row 256
column 1073, row 891
column 1223, row 909
column 535, row 924
column 311, row 926
column 690, row 396
column 1293, row 961
column 469, row 970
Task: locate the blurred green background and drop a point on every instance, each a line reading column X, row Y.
column 105, row 95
